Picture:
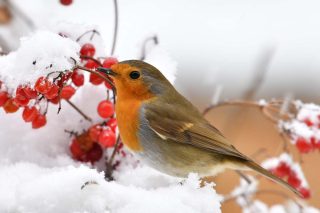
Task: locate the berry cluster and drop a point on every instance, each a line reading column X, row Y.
column 284, row 167
column 87, row 53
column 29, row 97
column 304, row 129
column 89, row 146
column 57, row 86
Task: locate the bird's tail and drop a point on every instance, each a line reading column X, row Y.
column 266, row 173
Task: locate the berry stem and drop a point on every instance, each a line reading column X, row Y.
column 116, row 22
column 99, row 74
column 89, row 31
column 91, row 58
column 109, row 170
column 144, row 45
column 78, row 110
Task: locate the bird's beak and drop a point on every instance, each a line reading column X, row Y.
column 107, row 71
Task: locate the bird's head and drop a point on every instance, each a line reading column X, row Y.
column 137, row 78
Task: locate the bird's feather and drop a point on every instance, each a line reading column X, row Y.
column 173, row 123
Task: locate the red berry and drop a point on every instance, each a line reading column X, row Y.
column 87, row 50
column 30, row 93
column 53, row 92
column 91, row 64
column 4, row 96
column 94, row 132
column 76, row 151
column 21, row 98
column 282, row 170
column 107, row 138
column 105, row 109
column 77, row 78
column 107, row 84
column 43, row 85
column 293, row 180
column 108, row 62
column 66, row 2
column 55, row 100
column 308, row 122
column 305, row 193
column 64, row 78
column 95, row 153
column 29, row 113
column 39, row 121
column 303, row 145
column 67, row 92
column 10, row 106
column 95, row 79
column 112, row 123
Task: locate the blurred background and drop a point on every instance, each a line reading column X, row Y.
column 247, row 49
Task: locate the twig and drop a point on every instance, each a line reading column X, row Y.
column 144, row 46
column 89, row 31
column 261, row 71
column 243, row 176
column 108, row 173
column 278, row 193
column 91, row 58
column 99, row 74
column 78, row 110
column 116, row 22
column 264, row 108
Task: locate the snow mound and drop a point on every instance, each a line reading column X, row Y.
column 30, row 188
column 38, row 55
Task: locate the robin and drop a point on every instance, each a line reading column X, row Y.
column 166, row 131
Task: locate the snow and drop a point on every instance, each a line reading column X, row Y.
column 160, row 58
column 298, row 127
column 31, row 188
column 49, row 51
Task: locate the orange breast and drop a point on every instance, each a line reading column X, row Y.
column 127, row 111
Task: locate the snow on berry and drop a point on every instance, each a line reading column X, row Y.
column 304, row 129
column 284, row 167
column 87, row 50
column 36, row 57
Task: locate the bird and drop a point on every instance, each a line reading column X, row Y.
column 166, row 131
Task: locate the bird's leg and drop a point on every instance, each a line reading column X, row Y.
column 243, row 176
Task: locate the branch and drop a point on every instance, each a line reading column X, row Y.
column 261, row 70
column 78, row 110
column 89, row 31
column 99, row 74
column 266, row 191
column 144, row 46
column 116, row 22
column 109, row 169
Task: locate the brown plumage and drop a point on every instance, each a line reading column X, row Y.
column 166, row 131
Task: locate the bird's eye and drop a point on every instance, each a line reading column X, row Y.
column 134, row 75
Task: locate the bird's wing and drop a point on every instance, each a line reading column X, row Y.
column 174, row 124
